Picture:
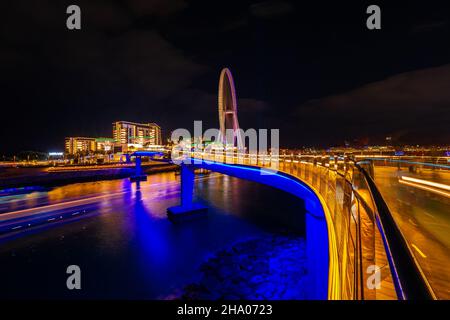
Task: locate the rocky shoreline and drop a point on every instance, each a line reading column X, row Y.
column 273, row 267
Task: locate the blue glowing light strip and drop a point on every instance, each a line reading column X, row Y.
column 250, row 168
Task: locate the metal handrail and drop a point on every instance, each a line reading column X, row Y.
column 409, row 280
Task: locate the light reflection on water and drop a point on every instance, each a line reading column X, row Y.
column 130, row 249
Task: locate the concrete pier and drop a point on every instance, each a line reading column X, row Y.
column 139, row 175
column 187, row 210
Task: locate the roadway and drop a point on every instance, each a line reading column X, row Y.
column 423, row 216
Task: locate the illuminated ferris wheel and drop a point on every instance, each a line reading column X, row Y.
column 228, row 112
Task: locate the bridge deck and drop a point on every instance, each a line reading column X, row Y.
column 387, row 289
column 334, row 192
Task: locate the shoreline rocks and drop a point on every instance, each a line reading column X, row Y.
column 267, row 268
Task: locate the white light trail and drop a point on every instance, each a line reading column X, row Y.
column 428, row 183
column 424, row 187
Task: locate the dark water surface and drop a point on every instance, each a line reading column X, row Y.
column 127, row 248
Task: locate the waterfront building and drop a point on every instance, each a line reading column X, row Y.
column 137, row 134
column 105, row 145
column 79, row 145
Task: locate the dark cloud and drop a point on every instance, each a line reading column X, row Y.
column 252, row 105
column 152, row 64
column 413, row 103
column 429, row 27
column 194, row 104
column 271, row 9
column 157, row 7
column 234, row 24
column 104, row 17
column 109, row 70
column 417, row 90
column 160, row 60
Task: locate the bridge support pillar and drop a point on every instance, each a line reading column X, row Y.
column 187, row 210
column 138, row 175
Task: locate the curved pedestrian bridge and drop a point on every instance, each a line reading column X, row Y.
column 355, row 249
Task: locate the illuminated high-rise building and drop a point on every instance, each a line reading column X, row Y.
column 125, row 132
column 79, row 145
column 85, row 145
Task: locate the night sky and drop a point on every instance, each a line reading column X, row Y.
column 314, row 71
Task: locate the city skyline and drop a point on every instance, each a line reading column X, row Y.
column 124, row 134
